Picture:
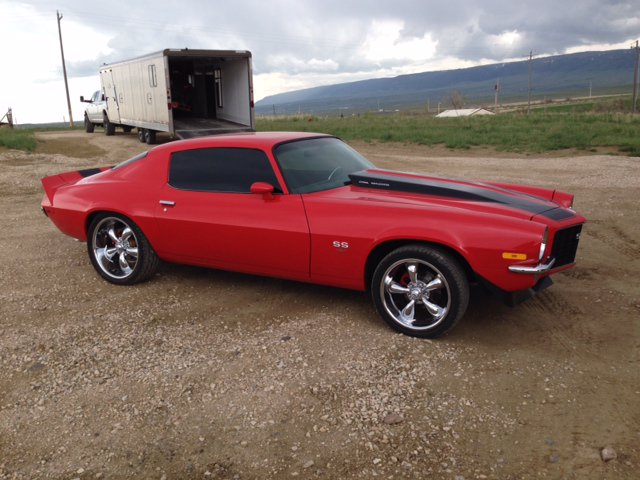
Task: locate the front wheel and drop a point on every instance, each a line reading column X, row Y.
column 119, row 251
column 420, row 291
column 88, row 126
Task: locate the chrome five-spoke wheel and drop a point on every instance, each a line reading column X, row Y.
column 115, row 247
column 415, row 293
column 420, row 291
column 119, row 250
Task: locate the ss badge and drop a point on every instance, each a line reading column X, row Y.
column 341, row 245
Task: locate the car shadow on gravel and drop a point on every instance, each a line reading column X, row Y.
column 271, row 298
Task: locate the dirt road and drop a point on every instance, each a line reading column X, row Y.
column 208, row 374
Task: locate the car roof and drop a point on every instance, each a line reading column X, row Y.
column 262, row 140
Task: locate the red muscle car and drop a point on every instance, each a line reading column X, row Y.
column 307, row 207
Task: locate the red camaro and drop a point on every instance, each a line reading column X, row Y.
column 307, row 207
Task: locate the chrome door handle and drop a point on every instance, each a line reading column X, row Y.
column 167, row 203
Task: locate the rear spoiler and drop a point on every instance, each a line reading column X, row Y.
column 54, row 182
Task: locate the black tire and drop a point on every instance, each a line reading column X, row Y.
column 141, row 135
column 150, row 137
column 109, row 128
column 127, row 128
column 88, row 126
column 429, row 279
column 119, row 251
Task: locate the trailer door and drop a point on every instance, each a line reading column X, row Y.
column 111, row 94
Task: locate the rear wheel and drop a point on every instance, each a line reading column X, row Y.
column 119, row 251
column 141, row 135
column 420, row 291
column 109, row 128
column 88, row 126
column 126, row 128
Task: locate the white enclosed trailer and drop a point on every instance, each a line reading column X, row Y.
column 183, row 92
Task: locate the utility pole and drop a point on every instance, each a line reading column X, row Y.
column 529, row 96
column 497, row 89
column 64, row 69
column 634, row 101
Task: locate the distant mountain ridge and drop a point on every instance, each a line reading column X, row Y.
column 570, row 74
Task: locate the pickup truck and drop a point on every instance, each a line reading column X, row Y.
column 96, row 114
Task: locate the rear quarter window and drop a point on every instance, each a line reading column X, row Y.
column 231, row 170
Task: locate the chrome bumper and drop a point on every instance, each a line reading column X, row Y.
column 538, row 269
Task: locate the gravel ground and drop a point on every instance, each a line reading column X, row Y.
column 208, row 374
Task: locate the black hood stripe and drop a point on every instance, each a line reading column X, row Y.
column 89, row 171
column 520, row 201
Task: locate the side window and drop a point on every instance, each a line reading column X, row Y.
column 153, row 79
column 230, row 170
column 96, row 97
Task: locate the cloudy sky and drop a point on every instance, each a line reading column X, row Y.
column 295, row 43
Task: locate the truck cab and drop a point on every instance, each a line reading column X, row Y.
column 94, row 112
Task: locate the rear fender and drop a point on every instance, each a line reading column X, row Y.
column 52, row 183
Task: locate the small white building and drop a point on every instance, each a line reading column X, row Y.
column 464, row 112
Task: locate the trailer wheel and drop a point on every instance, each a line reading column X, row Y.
column 150, row 137
column 109, row 128
column 141, row 135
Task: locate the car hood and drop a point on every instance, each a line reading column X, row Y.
column 489, row 198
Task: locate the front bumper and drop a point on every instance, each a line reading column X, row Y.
column 533, row 270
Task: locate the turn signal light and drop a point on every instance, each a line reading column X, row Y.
column 514, row 256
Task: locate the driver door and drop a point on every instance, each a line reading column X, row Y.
column 207, row 215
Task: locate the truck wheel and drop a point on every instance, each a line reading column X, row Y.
column 126, row 128
column 150, row 137
column 141, row 135
column 88, row 126
column 420, row 291
column 109, row 128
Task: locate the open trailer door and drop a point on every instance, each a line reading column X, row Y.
column 211, row 92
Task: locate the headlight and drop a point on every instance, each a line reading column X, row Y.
column 543, row 245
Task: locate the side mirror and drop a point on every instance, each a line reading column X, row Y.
column 81, row 98
column 262, row 188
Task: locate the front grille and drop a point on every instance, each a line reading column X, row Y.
column 565, row 245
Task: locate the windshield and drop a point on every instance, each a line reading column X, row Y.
column 318, row 164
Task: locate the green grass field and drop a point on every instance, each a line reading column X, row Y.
column 583, row 126
column 18, row 139
column 510, row 132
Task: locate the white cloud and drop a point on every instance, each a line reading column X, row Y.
column 32, row 83
column 602, row 46
column 297, row 65
column 294, row 44
column 384, row 41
